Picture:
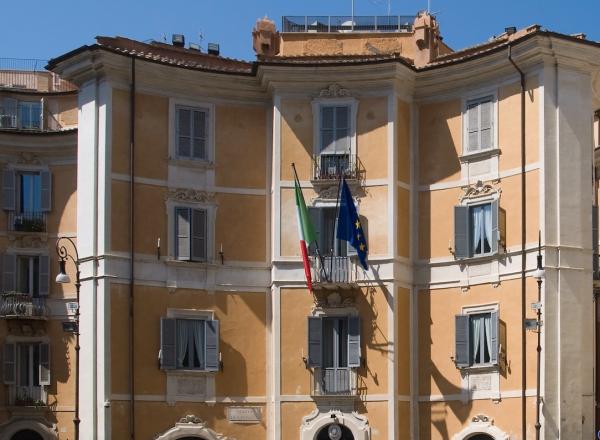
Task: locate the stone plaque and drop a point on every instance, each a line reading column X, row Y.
column 481, row 382
column 244, row 414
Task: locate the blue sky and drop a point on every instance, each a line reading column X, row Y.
column 61, row 25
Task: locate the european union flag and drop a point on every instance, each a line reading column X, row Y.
column 349, row 227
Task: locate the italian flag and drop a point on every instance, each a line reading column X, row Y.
column 306, row 231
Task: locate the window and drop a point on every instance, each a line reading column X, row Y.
column 324, row 220
column 477, row 229
column 333, row 348
column 479, row 125
column 189, row 344
column 26, row 274
column 21, row 114
column 476, row 339
column 26, row 370
column 27, row 193
column 333, row 160
column 190, row 234
column 192, row 132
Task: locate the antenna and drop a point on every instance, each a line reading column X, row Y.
column 428, row 6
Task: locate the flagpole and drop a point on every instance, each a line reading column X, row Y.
column 318, row 252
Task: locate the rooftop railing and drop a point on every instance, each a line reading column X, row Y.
column 347, row 23
column 30, row 74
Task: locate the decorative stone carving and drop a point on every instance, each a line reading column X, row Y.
column 190, row 418
column 28, row 240
column 478, row 190
column 26, row 158
column 190, row 195
column 481, row 424
column 320, row 418
column 191, row 426
column 334, row 91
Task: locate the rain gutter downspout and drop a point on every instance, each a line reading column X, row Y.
column 131, row 248
column 523, row 261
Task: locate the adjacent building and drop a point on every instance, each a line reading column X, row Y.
column 196, row 321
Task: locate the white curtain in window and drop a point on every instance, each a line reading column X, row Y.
column 198, row 328
column 488, row 334
column 476, row 329
column 487, row 215
column 476, row 217
column 182, row 340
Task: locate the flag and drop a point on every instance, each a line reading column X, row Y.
column 349, row 227
column 306, row 231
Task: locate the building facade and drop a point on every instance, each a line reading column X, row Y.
column 38, row 157
column 196, row 319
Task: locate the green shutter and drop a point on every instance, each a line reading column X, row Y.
column 354, row 341
column 212, row 345
column 461, row 232
column 462, row 341
column 315, row 342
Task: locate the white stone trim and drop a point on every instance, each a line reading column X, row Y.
column 314, row 422
column 191, row 426
column 481, row 424
column 38, row 424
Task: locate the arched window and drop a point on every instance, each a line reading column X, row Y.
column 26, row 434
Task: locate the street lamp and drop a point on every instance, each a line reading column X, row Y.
column 63, row 278
column 539, row 275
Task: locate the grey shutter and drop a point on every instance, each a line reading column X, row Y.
column 327, row 128
column 485, row 124
column 182, row 233
column 10, row 272
column 44, row 275
column 461, row 232
column 315, row 342
column 354, row 341
column 473, row 127
column 342, row 129
column 212, row 345
column 462, row 342
column 494, row 338
column 44, row 367
column 200, row 128
column 10, row 364
column 198, row 234
column 595, row 239
column 8, row 190
column 168, row 343
column 184, row 135
column 46, row 192
column 495, row 228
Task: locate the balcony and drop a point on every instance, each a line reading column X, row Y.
column 26, row 395
column 30, row 74
column 15, row 305
column 327, row 382
column 347, row 23
column 333, row 273
column 332, row 167
column 27, row 222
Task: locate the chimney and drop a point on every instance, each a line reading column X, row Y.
column 265, row 38
column 426, row 38
column 178, row 40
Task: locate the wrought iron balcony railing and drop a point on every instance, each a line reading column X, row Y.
column 333, row 272
column 347, row 23
column 334, row 382
column 327, row 167
column 26, row 395
column 27, row 221
column 15, row 305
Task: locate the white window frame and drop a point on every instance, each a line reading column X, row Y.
column 174, row 105
column 318, row 104
column 483, row 200
column 479, row 96
column 211, row 213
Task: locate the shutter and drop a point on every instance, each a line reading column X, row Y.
column 168, row 343
column 315, row 342
column 485, row 129
column 199, row 127
column 10, row 364
column 184, row 135
column 595, row 239
column 212, row 345
column 46, row 191
column 182, row 233
column 8, row 190
column 327, row 129
column 354, row 341
column 315, row 217
column 494, row 338
column 462, row 342
column 10, row 272
column 198, row 234
column 495, row 227
column 502, row 226
column 44, row 275
column 472, row 127
column 461, row 232
column 342, row 129
column 44, row 367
